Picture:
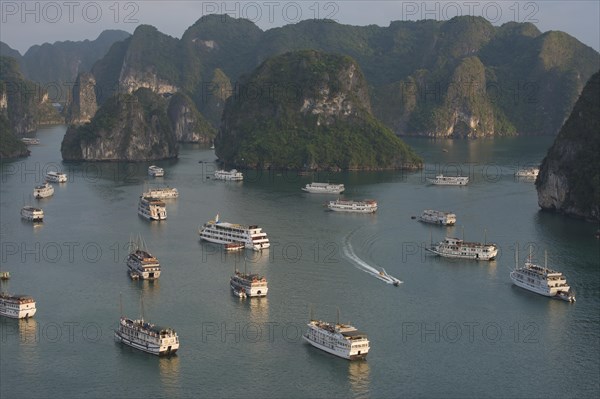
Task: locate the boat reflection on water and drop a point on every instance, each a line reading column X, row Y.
column 169, row 376
column 259, row 310
column 28, row 332
column 151, row 288
column 359, row 376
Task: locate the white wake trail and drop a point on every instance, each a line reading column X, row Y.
column 348, row 251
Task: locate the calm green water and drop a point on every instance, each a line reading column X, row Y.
column 453, row 329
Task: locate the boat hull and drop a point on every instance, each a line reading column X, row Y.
column 248, row 245
column 344, row 355
column 353, row 210
column 249, row 292
column 317, row 191
column 436, row 222
column 460, row 256
column 153, row 349
column 14, row 314
column 553, row 292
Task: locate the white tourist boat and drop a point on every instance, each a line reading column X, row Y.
column 232, row 175
column 456, row 248
column 43, row 190
column 541, row 280
column 152, row 208
column 56, row 177
column 441, row 180
column 161, row 193
column 17, row 306
column 155, row 171
column 364, row 206
column 529, row 173
column 324, row 188
column 4, row 275
column 142, row 264
column 147, row 337
column 438, row 217
column 341, row 340
column 248, row 285
column 32, row 214
column 219, row 232
column 30, row 141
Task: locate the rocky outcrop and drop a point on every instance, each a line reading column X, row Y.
column 467, row 111
column 83, row 105
column 25, row 104
column 150, row 62
column 10, row 145
column 307, row 110
column 211, row 97
column 129, row 127
column 187, row 123
column 569, row 178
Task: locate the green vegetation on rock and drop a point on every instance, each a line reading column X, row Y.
column 307, row 110
column 129, row 127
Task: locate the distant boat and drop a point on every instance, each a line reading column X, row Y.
column 541, row 280
column 4, row 275
column 56, row 177
column 324, row 188
column 17, row 306
column 364, row 206
column 456, row 248
column 155, row 171
column 32, row 214
column 30, row 141
column 441, row 180
column 342, row 340
column 147, row 337
column 152, row 208
column 219, row 232
column 232, row 175
column 43, row 191
column 383, row 275
column 252, row 285
column 141, row 263
column 438, row 217
column 528, row 172
column 161, row 193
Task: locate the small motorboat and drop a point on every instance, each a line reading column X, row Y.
column 234, row 246
column 240, row 293
column 565, row 296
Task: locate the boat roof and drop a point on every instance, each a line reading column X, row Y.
column 354, row 334
column 32, row 208
column 153, row 201
column 470, row 244
column 21, row 298
column 323, row 184
column 160, row 329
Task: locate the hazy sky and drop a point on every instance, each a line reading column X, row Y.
column 24, row 24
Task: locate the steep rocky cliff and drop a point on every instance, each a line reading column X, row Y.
column 307, row 110
column 129, row 127
column 83, row 105
column 187, row 123
column 569, row 179
column 24, row 104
